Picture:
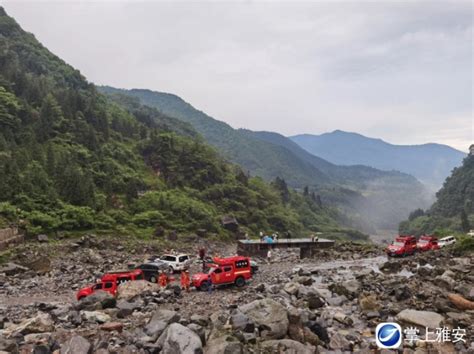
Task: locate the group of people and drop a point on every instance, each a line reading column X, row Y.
column 164, row 279
column 268, row 238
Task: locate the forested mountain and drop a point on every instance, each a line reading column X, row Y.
column 258, row 157
column 454, row 206
column 72, row 159
column 365, row 194
column 430, row 163
column 369, row 198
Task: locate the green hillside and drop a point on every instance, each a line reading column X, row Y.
column 260, row 158
column 453, row 210
column 368, row 198
column 71, row 159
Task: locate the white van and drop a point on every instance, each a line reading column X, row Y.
column 446, row 241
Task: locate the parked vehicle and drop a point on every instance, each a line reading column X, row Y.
column 110, row 282
column 471, row 233
column 253, row 266
column 233, row 270
column 427, row 243
column 446, row 241
column 402, row 246
column 152, row 270
column 176, row 262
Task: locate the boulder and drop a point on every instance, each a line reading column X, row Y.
column 421, row 318
column 270, row 317
column 348, row 288
column 126, row 308
column 369, row 303
column 131, row 289
column 286, row 346
column 168, row 316
column 241, row 322
column 391, row 267
column 179, row 339
column 445, row 282
column 224, row 345
column 403, row 293
column 39, row 324
column 199, row 330
column 12, row 269
column 112, row 326
column 315, row 301
column 291, row 288
column 95, row 316
column 42, row 238
column 98, row 300
column 76, row 345
column 39, row 265
column 339, row 342
column 200, row 320
column 159, row 321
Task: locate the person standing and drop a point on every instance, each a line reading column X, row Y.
column 163, row 280
column 185, row 282
column 269, row 256
column 202, row 255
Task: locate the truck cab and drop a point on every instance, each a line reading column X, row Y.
column 402, row 246
column 233, row 270
column 110, row 282
column 427, row 243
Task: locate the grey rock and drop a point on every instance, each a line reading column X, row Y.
column 269, row 316
column 224, row 345
column 338, row 341
column 242, row 322
column 42, row 238
column 76, row 345
column 12, row 269
column 179, row 339
column 421, row 318
column 288, row 346
column 97, row 301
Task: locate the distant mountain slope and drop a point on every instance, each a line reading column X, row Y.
column 258, row 157
column 430, row 163
column 363, row 193
column 453, row 209
column 368, row 196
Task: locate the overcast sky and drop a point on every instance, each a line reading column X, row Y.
column 400, row 71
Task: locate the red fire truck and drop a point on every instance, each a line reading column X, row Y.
column 232, row 270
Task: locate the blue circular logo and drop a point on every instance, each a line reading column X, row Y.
column 389, row 335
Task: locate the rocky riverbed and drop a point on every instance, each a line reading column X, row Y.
column 328, row 304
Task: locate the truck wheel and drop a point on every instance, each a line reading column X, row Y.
column 240, row 282
column 171, row 270
column 204, row 286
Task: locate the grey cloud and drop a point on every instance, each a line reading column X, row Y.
column 372, row 67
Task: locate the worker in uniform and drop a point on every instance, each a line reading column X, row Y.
column 185, row 281
column 163, row 280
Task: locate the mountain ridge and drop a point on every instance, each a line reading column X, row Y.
column 431, row 163
column 272, row 155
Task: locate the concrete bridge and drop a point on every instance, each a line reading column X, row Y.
column 260, row 248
